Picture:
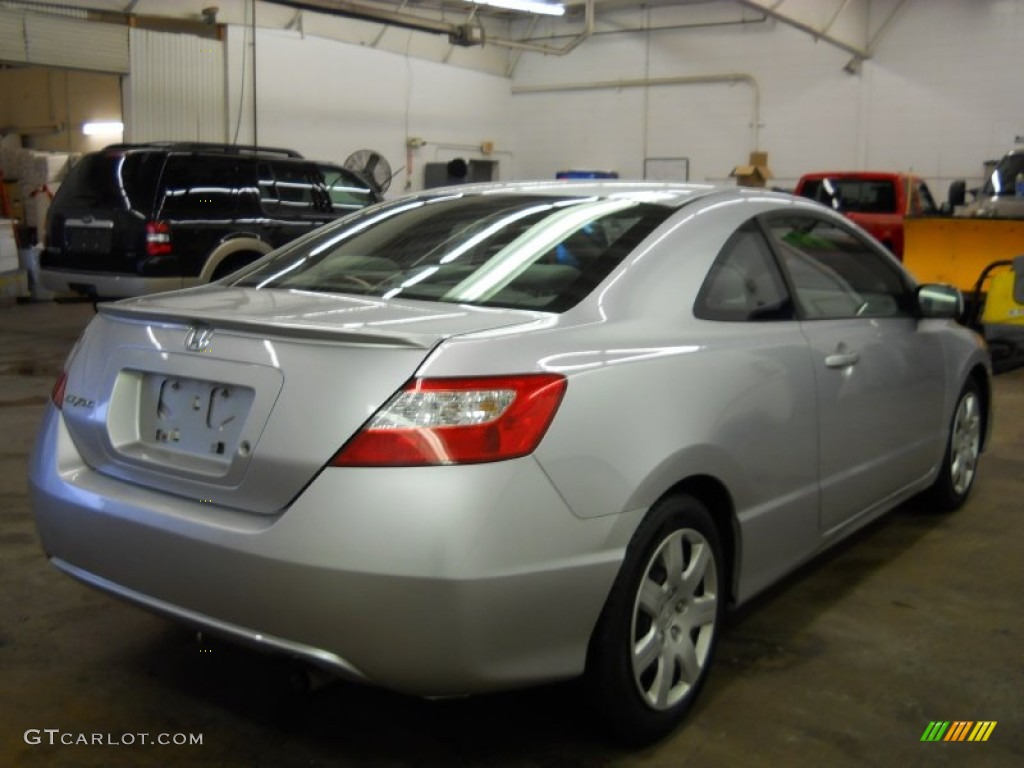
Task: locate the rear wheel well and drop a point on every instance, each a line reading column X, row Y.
column 714, row 495
column 234, row 262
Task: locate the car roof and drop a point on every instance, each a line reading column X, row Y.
column 203, row 147
column 670, row 194
column 228, row 150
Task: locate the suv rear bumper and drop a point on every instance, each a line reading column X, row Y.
column 110, row 285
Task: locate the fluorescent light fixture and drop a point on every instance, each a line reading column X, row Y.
column 111, row 128
column 526, row 6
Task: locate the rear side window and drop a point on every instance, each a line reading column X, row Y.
column 197, row 187
column 112, row 181
column 290, row 188
column 853, row 195
column 836, row 274
column 744, row 284
column 344, row 189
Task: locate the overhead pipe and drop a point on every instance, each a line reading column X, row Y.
column 553, row 50
column 422, row 24
column 372, row 13
column 646, row 82
column 661, row 28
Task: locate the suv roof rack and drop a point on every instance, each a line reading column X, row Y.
column 203, row 146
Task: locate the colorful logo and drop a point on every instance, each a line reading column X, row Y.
column 958, row 730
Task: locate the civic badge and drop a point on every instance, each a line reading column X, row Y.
column 199, row 338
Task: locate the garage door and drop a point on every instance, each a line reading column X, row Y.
column 60, row 41
column 176, row 88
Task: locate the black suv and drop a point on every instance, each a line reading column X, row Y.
column 142, row 218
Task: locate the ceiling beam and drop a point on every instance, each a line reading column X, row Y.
column 773, row 9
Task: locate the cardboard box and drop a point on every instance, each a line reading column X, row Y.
column 755, row 173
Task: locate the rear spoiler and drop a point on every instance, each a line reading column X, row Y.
column 278, row 328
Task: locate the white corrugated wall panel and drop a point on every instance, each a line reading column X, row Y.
column 12, row 37
column 176, row 88
column 76, row 44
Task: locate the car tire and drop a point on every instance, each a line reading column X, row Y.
column 653, row 645
column 963, row 449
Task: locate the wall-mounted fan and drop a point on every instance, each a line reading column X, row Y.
column 371, row 166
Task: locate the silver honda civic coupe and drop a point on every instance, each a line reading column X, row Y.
column 497, row 435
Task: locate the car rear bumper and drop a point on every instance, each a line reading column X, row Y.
column 110, row 285
column 432, row 581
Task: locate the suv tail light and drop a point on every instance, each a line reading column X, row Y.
column 457, row 421
column 158, row 238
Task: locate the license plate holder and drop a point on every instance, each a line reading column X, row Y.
column 193, row 416
column 85, row 238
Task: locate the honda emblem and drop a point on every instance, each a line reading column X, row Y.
column 199, row 338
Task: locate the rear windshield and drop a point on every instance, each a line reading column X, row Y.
column 853, row 195
column 510, row 250
column 112, row 181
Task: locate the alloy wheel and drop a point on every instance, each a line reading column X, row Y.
column 965, row 443
column 674, row 618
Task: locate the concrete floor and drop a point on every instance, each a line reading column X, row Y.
column 918, row 618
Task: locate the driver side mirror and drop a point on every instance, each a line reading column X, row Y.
column 957, row 197
column 939, row 301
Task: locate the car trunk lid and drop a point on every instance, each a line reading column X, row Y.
column 238, row 397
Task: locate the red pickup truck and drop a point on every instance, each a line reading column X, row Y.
column 877, row 201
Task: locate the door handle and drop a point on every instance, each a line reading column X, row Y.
column 842, row 359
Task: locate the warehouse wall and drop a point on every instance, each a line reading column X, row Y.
column 49, row 106
column 940, row 96
column 328, row 99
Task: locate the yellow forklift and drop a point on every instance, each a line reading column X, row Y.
column 995, row 308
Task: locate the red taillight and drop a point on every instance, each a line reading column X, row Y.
column 57, row 395
column 158, row 238
column 457, row 421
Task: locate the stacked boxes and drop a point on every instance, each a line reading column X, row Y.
column 39, row 175
column 30, row 178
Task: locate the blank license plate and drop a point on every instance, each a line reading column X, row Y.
column 89, row 239
column 202, row 418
